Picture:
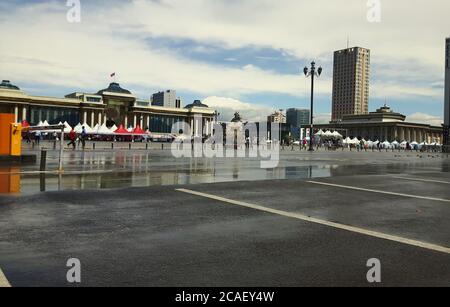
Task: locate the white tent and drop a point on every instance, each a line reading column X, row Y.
column 327, row 134
column 104, row 130
column 95, row 129
column 43, row 124
column 386, row 144
column 354, row 141
column 78, row 128
column 320, row 133
column 337, row 135
column 67, row 127
column 113, row 128
column 347, row 141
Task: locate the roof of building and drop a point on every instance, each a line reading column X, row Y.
column 196, row 104
column 114, row 88
column 7, row 85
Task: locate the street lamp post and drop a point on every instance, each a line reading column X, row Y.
column 313, row 73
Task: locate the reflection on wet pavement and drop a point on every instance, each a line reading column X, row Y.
column 121, row 169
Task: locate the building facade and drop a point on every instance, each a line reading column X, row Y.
column 384, row 125
column 351, row 78
column 298, row 117
column 166, row 99
column 277, row 117
column 447, row 93
column 111, row 106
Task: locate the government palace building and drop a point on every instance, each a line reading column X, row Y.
column 384, row 125
column 113, row 105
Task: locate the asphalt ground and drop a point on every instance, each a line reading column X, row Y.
column 291, row 232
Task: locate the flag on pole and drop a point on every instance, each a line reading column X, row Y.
column 113, row 74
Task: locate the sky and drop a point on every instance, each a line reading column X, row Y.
column 235, row 55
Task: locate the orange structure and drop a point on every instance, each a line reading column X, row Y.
column 9, row 180
column 10, row 136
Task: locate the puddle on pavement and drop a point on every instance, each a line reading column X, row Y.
column 137, row 170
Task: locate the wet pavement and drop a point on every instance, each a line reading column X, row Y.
column 143, row 218
column 104, row 168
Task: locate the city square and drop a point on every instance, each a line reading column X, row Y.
column 223, row 152
column 142, row 218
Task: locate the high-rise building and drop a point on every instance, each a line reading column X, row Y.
column 166, row 99
column 351, row 75
column 298, row 117
column 447, row 93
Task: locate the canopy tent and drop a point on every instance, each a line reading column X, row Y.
column 386, row 144
column 121, row 130
column 347, row 141
column 113, row 128
column 327, row 134
column 337, row 135
column 42, row 124
column 78, row 128
column 354, row 141
column 103, row 130
column 395, row 143
column 95, row 129
column 320, row 133
column 88, row 129
column 138, row 130
column 67, row 127
column 130, row 129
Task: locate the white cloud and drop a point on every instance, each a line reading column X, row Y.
column 228, row 106
column 422, row 118
column 40, row 45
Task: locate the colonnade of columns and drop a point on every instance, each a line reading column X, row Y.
column 397, row 133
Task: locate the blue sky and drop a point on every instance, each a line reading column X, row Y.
column 237, row 55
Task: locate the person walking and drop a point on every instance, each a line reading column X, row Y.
column 72, row 138
column 83, row 137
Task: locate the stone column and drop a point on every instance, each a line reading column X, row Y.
column 99, row 118
column 16, row 114
column 126, row 122
column 148, row 122
column 134, row 121
column 24, row 113
column 142, row 121
column 84, row 118
column 92, row 118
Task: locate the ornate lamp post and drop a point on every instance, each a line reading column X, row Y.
column 313, row 73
